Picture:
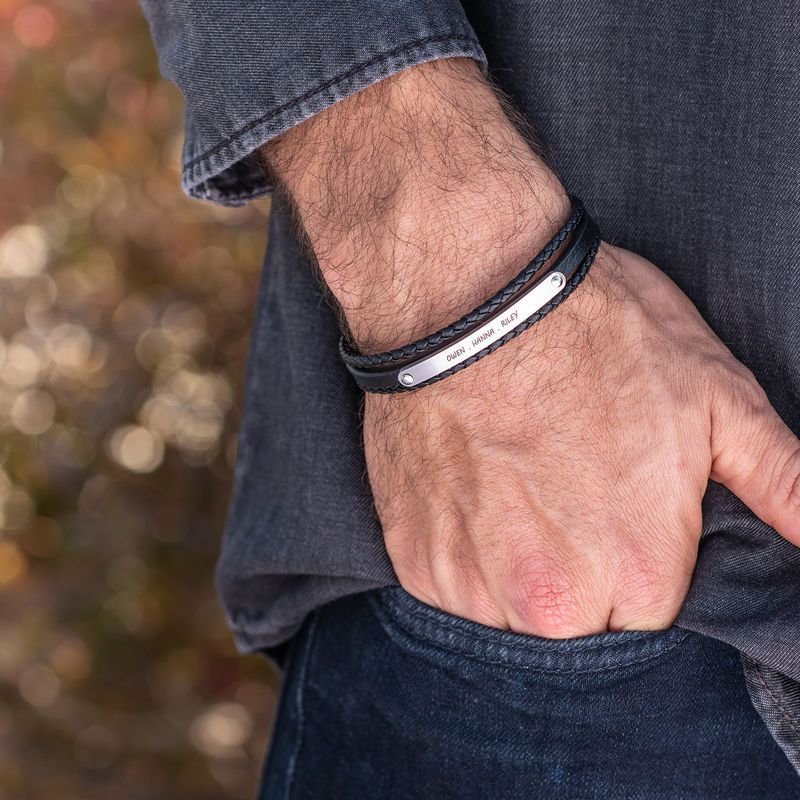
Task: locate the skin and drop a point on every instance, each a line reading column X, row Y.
column 553, row 488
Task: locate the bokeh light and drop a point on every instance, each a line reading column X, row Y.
column 124, row 323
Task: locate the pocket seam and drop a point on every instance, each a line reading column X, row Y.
column 543, row 643
column 391, row 616
column 300, row 709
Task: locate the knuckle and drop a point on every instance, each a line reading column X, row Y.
column 655, row 582
column 730, row 372
column 739, row 387
column 544, row 598
column 651, row 604
column 755, row 401
column 658, row 611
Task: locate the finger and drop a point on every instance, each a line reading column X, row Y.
column 623, row 619
column 655, row 573
column 758, row 458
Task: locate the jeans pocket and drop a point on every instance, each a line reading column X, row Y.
column 405, row 616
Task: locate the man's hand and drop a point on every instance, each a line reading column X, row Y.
column 554, row 487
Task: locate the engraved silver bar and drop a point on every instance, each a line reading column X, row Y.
column 498, row 326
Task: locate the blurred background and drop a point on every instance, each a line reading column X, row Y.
column 124, row 315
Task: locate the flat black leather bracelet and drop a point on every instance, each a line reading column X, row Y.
column 514, row 309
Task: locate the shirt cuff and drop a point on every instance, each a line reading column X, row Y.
column 228, row 174
column 249, row 76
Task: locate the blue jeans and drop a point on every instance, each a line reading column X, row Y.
column 387, row 698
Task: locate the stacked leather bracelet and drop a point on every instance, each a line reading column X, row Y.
column 535, row 292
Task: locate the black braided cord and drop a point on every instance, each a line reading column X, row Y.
column 486, row 309
column 569, row 287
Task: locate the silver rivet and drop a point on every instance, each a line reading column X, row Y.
column 407, row 379
column 557, row 279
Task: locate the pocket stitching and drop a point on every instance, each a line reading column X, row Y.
column 389, row 620
column 542, row 643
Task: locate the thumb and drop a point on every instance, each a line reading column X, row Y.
column 758, row 458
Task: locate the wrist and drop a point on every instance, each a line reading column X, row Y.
column 444, row 258
column 419, row 198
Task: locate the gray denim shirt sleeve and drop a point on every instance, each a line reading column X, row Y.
column 251, row 70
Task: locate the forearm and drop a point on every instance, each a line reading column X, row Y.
column 419, row 197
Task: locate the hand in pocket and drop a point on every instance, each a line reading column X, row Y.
column 555, row 487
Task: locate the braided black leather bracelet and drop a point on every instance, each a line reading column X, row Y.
column 512, row 310
column 441, row 337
